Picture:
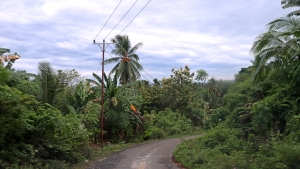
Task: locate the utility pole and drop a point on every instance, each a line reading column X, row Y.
column 102, row 89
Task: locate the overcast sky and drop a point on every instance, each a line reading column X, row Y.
column 214, row 35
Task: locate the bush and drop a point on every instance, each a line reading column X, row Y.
column 166, row 123
column 33, row 132
column 220, row 145
column 157, row 133
column 223, row 147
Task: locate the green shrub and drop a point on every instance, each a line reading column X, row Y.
column 166, row 123
column 157, row 133
column 32, row 132
column 220, row 145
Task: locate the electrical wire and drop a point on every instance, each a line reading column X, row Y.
column 110, row 47
column 109, row 54
column 108, row 20
column 121, row 19
column 148, row 74
column 142, row 69
column 145, row 77
column 135, row 16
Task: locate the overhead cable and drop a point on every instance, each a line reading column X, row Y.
column 107, row 20
column 148, row 74
column 145, row 77
column 135, row 16
column 121, row 19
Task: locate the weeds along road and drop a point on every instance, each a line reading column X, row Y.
column 152, row 155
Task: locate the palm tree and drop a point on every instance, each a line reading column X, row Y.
column 291, row 3
column 126, row 58
column 50, row 82
column 279, row 47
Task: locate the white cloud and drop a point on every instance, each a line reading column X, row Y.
column 203, row 35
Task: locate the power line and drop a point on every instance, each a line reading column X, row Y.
column 135, row 16
column 108, row 54
column 122, row 18
column 148, row 74
column 145, row 77
column 108, row 20
column 142, row 69
column 110, row 47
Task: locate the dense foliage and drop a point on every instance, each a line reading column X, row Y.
column 34, row 132
column 52, row 119
column 261, row 127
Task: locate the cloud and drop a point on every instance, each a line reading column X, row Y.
column 211, row 35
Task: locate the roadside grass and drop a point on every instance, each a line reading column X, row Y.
column 223, row 147
column 94, row 153
column 100, row 153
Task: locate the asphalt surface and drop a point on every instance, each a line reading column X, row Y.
column 152, row 155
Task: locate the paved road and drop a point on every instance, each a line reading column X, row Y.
column 153, row 155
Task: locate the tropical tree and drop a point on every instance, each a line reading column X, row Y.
column 127, row 67
column 202, row 75
column 177, row 89
column 117, row 103
column 48, row 81
column 291, row 3
column 279, row 47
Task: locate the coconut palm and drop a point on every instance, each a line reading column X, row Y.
column 126, row 58
column 291, row 3
column 279, row 47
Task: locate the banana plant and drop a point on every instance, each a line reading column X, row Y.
column 118, row 102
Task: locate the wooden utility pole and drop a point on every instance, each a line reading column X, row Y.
column 102, row 90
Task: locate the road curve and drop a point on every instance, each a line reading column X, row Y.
column 152, row 155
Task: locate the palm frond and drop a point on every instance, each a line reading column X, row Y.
column 137, row 65
column 98, row 78
column 119, row 51
column 93, row 82
column 135, row 72
column 264, row 41
column 297, row 13
column 285, row 23
column 135, row 48
column 114, row 69
column 112, row 60
column 290, row 3
column 134, row 56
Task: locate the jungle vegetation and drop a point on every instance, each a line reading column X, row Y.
column 51, row 119
column 259, row 115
